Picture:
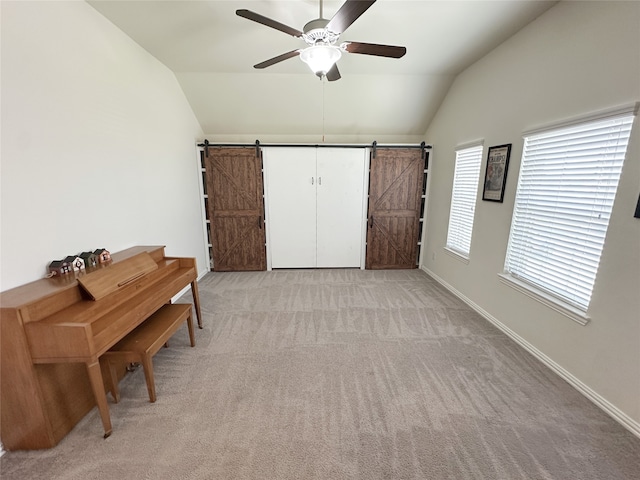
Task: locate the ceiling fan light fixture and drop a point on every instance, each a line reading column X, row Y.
column 320, row 58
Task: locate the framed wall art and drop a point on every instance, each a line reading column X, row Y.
column 495, row 175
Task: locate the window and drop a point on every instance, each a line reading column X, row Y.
column 463, row 199
column 567, row 184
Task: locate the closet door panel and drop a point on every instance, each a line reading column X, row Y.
column 290, row 175
column 339, row 208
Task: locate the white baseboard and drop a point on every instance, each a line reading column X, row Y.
column 622, row 418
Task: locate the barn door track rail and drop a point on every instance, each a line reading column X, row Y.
column 206, row 145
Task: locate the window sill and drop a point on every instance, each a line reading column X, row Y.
column 559, row 306
column 457, row 255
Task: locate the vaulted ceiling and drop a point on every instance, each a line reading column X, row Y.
column 212, row 51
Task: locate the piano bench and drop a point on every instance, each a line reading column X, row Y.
column 142, row 343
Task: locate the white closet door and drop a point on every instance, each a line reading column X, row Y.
column 340, row 210
column 290, row 180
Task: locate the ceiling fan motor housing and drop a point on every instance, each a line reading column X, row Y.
column 315, row 32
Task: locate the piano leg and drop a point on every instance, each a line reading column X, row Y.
column 97, row 385
column 196, row 301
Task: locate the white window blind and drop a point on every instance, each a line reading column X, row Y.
column 567, row 185
column 463, row 199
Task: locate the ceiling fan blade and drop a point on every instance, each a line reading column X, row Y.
column 248, row 14
column 374, row 49
column 279, row 58
column 349, row 12
column 333, row 74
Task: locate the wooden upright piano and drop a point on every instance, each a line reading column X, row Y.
column 54, row 330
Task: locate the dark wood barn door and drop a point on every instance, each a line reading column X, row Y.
column 236, row 208
column 395, row 194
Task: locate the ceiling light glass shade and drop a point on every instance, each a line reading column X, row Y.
column 320, row 58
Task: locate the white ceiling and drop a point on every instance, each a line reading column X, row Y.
column 211, row 51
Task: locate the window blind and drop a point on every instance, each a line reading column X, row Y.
column 463, row 199
column 567, row 185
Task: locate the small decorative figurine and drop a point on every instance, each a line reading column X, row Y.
column 58, row 268
column 90, row 259
column 71, row 260
column 103, row 255
column 78, row 264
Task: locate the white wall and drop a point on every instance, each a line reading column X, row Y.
column 576, row 59
column 98, row 143
column 299, row 103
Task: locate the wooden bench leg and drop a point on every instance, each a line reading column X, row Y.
column 115, row 392
column 147, row 365
column 192, row 337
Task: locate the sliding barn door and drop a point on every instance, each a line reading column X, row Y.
column 236, row 208
column 395, row 194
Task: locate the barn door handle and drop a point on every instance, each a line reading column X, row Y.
column 311, row 180
column 319, row 180
column 370, row 222
column 260, row 222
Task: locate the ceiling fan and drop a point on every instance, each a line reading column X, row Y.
column 321, row 35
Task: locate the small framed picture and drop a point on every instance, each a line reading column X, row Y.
column 495, row 175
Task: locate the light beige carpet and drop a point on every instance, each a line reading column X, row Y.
column 341, row 374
